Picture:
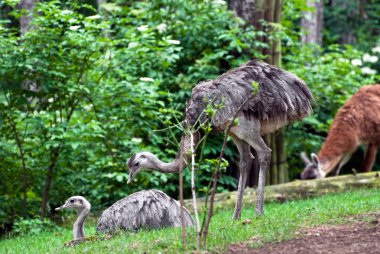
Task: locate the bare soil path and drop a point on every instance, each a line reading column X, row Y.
column 362, row 235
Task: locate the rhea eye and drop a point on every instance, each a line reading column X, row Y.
column 137, row 164
column 72, row 201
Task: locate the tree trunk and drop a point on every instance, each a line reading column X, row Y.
column 254, row 11
column 48, row 180
column 25, row 20
column 20, row 146
column 312, row 23
column 298, row 190
column 99, row 4
column 283, row 172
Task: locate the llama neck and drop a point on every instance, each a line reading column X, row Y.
column 338, row 145
column 329, row 164
column 78, row 229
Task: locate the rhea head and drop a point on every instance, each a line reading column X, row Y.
column 76, row 202
column 138, row 162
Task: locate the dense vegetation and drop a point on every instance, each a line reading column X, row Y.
column 86, row 88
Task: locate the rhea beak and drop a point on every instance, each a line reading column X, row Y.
column 61, row 207
column 130, row 178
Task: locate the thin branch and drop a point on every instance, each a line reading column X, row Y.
column 216, row 172
column 181, row 203
column 22, row 157
column 193, row 191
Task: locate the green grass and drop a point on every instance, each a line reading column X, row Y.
column 280, row 222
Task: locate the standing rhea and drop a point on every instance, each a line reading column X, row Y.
column 357, row 122
column 282, row 98
column 144, row 209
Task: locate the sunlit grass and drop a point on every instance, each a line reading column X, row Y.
column 280, row 222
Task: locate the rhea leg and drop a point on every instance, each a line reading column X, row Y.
column 264, row 154
column 244, row 167
column 369, row 158
column 249, row 131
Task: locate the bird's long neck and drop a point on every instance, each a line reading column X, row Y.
column 78, row 229
column 181, row 159
column 170, row 167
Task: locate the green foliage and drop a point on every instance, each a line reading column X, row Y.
column 353, row 22
column 82, row 91
column 33, row 227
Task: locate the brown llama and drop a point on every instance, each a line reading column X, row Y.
column 357, row 122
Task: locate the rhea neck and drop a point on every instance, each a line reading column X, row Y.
column 78, row 229
column 163, row 167
column 181, row 159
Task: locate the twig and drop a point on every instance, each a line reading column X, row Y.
column 181, row 203
column 216, row 172
column 193, row 191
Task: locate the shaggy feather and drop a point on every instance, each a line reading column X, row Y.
column 143, row 209
column 282, row 96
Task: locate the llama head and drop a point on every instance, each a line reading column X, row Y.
column 312, row 168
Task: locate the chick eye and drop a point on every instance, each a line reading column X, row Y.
column 137, row 164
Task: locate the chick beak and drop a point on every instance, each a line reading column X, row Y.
column 130, row 178
column 61, row 207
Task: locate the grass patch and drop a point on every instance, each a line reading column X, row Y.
column 280, row 222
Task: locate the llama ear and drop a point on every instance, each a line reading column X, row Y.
column 315, row 159
column 305, row 159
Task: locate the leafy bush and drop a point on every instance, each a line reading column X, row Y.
column 82, row 91
column 33, row 226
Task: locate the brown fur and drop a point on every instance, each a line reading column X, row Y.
column 357, row 122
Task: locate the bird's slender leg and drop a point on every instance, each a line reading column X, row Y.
column 249, row 131
column 244, row 167
column 264, row 154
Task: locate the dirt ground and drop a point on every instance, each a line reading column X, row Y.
column 361, row 235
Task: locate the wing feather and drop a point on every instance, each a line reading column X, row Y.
column 281, row 96
column 143, row 209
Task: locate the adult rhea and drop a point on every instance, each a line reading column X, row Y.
column 282, row 98
column 147, row 209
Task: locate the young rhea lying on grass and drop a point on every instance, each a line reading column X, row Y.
column 148, row 209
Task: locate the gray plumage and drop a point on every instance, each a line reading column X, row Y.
column 282, row 98
column 147, row 209
column 144, row 209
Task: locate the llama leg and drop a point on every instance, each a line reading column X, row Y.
column 244, row 167
column 343, row 162
column 369, row 158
